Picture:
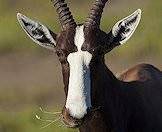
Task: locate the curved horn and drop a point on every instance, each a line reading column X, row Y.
column 65, row 16
column 95, row 14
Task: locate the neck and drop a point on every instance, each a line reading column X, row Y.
column 105, row 95
column 104, row 85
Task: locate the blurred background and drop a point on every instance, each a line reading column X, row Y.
column 30, row 76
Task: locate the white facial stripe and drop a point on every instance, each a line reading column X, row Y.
column 79, row 99
column 79, row 37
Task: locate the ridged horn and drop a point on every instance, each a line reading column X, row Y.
column 94, row 19
column 65, row 16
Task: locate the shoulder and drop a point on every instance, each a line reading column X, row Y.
column 141, row 72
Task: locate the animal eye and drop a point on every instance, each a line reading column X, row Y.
column 59, row 53
column 62, row 53
column 97, row 51
column 62, row 56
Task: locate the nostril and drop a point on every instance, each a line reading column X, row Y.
column 70, row 121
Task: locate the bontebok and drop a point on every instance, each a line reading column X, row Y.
column 97, row 101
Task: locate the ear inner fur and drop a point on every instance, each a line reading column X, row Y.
column 125, row 28
column 39, row 33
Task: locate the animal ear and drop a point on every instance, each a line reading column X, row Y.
column 125, row 28
column 39, row 33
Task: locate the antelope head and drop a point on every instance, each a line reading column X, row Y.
column 79, row 47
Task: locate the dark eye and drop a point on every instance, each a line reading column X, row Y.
column 59, row 53
column 62, row 56
column 97, row 51
column 62, row 53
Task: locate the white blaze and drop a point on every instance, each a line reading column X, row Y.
column 79, row 99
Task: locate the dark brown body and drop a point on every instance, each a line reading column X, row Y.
column 131, row 104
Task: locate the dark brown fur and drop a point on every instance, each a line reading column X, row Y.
column 131, row 103
column 125, row 106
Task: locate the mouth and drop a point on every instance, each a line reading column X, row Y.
column 71, row 123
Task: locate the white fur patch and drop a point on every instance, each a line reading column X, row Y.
column 32, row 26
column 130, row 28
column 79, row 95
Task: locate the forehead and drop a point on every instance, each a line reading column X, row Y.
column 77, row 39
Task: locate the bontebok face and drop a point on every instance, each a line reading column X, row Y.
column 79, row 48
